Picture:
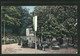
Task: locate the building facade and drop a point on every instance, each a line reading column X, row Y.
column 30, row 35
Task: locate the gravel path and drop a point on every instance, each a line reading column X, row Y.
column 16, row 49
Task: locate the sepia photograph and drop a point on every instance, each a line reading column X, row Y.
column 39, row 29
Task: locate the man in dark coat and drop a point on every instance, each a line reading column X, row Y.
column 60, row 41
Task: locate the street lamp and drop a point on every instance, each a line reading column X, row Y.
column 4, row 26
column 4, row 33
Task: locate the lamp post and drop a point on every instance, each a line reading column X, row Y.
column 4, row 26
column 35, row 41
column 35, row 29
column 4, row 32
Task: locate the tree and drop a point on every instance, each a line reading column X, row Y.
column 56, row 21
column 16, row 19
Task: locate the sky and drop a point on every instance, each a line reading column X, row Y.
column 31, row 8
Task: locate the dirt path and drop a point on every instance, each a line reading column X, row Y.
column 16, row 49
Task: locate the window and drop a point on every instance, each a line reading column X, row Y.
column 30, row 31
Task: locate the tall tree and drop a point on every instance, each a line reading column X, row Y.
column 56, row 21
column 15, row 17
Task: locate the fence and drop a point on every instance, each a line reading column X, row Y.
column 12, row 39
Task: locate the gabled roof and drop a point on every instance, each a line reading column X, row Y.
column 30, row 26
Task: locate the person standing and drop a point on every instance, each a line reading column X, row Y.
column 60, row 41
column 67, row 40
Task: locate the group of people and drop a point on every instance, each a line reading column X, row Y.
column 61, row 41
